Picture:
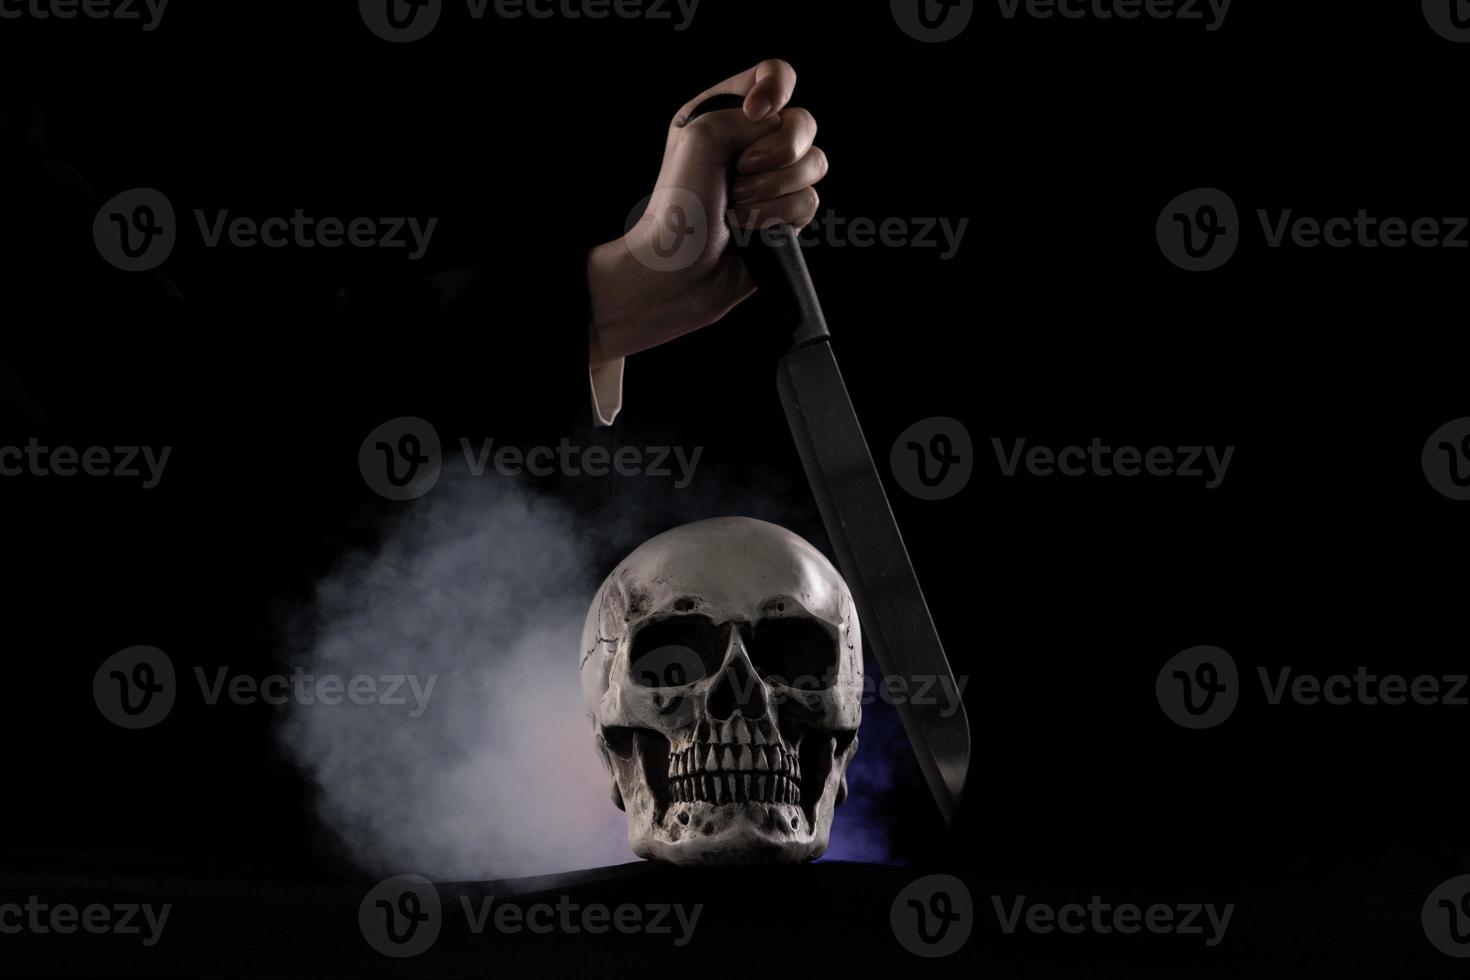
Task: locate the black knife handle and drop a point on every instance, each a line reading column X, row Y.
column 773, row 256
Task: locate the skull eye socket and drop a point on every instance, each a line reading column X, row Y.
column 675, row 651
column 795, row 651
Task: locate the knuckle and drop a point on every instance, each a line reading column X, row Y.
column 820, row 164
column 779, row 65
column 800, row 120
column 808, row 202
column 705, row 134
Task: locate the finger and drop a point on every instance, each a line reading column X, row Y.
column 730, row 131
column 778, row 183
column 766, row 88
column 796, row 210
column 775, row 83
column 783, row 147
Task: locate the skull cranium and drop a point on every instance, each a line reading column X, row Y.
column 721, row 667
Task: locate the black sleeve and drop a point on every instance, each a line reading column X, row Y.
column 46, row 240
column 497, row 341
column 513, row 332
column 536, row 311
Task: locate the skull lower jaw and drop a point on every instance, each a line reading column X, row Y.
column 732, row 833
column 726, row 817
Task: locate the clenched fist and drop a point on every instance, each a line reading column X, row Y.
column 677, row 270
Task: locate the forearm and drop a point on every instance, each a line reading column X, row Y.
column 635, row 307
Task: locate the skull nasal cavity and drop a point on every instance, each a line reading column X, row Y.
column 737, row 689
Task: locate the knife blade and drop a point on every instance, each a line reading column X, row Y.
column 856, row 514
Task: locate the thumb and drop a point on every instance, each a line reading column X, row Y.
column 767, row 89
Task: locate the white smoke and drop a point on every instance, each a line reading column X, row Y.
column 486, row 587
column 484, row 584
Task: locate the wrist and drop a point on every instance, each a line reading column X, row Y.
column 635, row 307
column 611, row 301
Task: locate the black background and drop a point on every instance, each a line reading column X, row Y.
column 1058, row 321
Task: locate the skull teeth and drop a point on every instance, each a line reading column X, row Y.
column 744, row 788
column 712, row 757
column 735, row 773
column 737, row 731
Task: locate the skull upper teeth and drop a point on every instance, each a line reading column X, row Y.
column 728, row 772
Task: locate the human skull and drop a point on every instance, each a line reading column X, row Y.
column 722, row 670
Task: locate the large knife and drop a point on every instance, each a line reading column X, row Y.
column 854, row 508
